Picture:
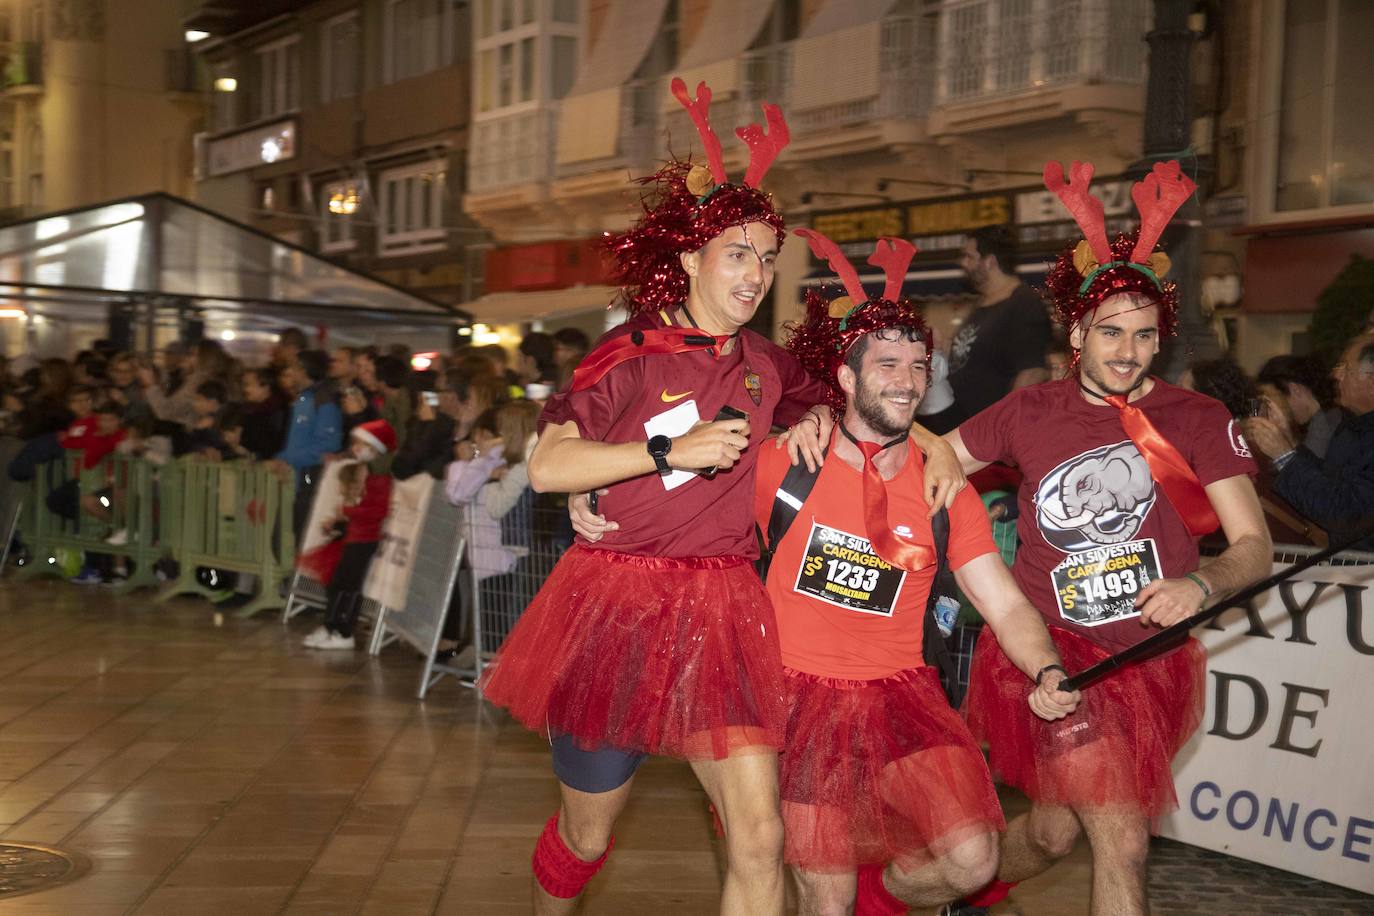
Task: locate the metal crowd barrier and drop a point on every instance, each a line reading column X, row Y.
column 433, row 553
column 131, row 490
column 235, row 517
column 12, row 494
column 510, row 559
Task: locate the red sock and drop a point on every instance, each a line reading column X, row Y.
column 995, row 892
column 557, row 870
column 874, row 899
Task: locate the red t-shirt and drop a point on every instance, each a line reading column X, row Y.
column 1094, row 528
column 84, row 435
column 842, row 612
column 366, row 519
column 686, row 514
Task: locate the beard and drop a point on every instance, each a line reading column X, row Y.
column 1101, row 376
column 877, row 414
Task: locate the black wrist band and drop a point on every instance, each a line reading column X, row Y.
column 1040, row 675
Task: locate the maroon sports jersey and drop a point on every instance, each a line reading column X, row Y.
column 685, row 514
column 1094, row 527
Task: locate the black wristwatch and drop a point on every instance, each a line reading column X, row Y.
column 659, row 447
column 1040, row 675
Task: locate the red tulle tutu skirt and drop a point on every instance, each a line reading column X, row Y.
column 1114, row 752
column 664, row 656
column 879, row 770
column 320, row 563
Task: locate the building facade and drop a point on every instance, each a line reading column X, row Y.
column 343, row 126
column 920, row 118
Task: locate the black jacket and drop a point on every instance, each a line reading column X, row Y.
column 1336, row 492
column 428, row 448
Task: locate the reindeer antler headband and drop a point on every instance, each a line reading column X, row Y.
column 823, row 340
column 692, row 204
column 1095, row 269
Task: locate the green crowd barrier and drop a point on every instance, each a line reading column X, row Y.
column 129, row 489
column 234, row 517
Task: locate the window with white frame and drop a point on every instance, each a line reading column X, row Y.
column 522, row 59
column 279, row 77
column 339, row 44
column 411, row 205
column 422, row 35
column 339, row 204
column 1326, row 78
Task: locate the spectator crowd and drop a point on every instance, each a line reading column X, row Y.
column 467, row 420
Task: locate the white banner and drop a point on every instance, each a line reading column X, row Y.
column 389, row 576
column 1281, row 770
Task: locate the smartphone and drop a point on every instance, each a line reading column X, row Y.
column 726, row 413
column 430, row 397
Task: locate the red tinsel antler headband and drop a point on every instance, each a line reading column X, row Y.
column 764, row 146
column 822, row 341
column 1096, row 269
column 688, row 205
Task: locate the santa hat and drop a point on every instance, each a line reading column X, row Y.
column 692, row 204
column 823, row 339
column 1096, row 269
column 378, row 434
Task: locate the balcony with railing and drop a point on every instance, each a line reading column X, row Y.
column 634, row 145
column 999, row 54
column 511, row 150
column 22, row 68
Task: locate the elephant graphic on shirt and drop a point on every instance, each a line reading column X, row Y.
column 1104, row 494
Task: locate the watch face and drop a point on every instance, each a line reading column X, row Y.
column 659, row 446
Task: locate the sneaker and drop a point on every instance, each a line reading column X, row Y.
column 315, row 635
column 333, row 641
column 87, row 576
column 960, row 908
column 119, row 538
column 116, row 578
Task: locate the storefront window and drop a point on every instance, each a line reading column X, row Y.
column 1327, row 79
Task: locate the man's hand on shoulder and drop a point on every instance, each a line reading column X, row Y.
column 806, row 439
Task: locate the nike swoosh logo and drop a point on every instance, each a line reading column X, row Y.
column 670, row 398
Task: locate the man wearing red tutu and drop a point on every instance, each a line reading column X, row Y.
column 886, row 800
column 661, row 640
column 1123, row 474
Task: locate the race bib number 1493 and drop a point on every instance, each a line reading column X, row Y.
column 1100, row 585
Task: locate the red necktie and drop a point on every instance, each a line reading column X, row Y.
column 900, row 553
column 1169, row 469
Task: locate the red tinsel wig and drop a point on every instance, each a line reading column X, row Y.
column 688, row 205
column 822, row 340
column 1095, row 270
column 1064, row 282
column 646, row 257
column 821, row 345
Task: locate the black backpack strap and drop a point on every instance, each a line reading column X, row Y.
column 796, row 485
column 934, row 647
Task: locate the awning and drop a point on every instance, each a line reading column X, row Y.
column 589, row 116
column 726, row 32
column 836, row 15
column 162, row 249
column 929, row 281
column 513, row 308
